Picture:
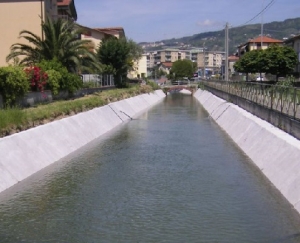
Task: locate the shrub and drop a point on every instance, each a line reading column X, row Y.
column 71, row 82
column 13, row 84
column 154, row 85
column 37, row 78
column 68, row 81
column 54, row 78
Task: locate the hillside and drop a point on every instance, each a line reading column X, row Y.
column 214, row 41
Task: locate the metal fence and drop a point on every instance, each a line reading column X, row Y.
column 285, row 100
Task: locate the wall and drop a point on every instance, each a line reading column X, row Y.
column 274, row 152
column 16, row 16
column 27, row 152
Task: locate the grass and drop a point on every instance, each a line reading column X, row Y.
column 16, row 120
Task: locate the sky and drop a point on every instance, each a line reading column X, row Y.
column 155, row 20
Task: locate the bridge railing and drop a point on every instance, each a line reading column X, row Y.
column 285, row 100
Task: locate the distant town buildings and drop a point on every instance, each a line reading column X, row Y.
column 210, row 61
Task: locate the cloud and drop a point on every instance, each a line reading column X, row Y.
column 209, row 23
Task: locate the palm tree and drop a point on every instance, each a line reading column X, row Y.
column 61, row 42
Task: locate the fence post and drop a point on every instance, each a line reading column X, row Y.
column 272, row 88
column 295, row 105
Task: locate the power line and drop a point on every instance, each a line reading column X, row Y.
column 264, row 9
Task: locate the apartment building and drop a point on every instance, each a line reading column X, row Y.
column 139, row 69
column 211, row 61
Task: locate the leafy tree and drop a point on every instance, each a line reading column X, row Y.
column 182, row 68
column 280, row 60
column 251, row 62
column 135, row 52
column 115, row 53
column 60, row 42
column 13, row 84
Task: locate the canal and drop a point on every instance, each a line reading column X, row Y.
column 171, row 175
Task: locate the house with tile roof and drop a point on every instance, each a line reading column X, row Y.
column 18, row 15
column 261, row 42
column 96, row 36
column 165, row 67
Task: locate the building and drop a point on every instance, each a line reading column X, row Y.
column 96, row 36
column 165, row 67
column 113, row 31
column 66, row 9
column 261, row 42
column 139, row 69
column 294, row 42
column 16, row 15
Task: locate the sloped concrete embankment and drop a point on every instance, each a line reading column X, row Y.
column 276, row 153
column 27, row 152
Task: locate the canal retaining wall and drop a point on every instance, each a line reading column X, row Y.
column 276, row 153
column 27, row 152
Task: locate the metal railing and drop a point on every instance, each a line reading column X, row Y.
column 285, row 100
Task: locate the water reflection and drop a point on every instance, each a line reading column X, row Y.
column 169, row 176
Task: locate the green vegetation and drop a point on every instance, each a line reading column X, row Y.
column 118, row 56
column 182, row 68
column 60, row 43
column 14, row 120
column 13, row 84
column 276, row 60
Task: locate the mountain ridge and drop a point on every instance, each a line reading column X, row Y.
column 215, row 40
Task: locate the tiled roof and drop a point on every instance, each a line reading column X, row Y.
column 64, row 3
column 233, row 58
column 265, row 39
column 167, row 64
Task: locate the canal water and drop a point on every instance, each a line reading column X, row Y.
column 172, row 175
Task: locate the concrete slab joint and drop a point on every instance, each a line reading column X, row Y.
column 63, row 137
column 267, row 146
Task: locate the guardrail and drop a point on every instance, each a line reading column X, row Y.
column 285, row 100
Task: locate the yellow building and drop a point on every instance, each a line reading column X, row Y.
column 18, row 15
column 139, row 69
column 96, row 36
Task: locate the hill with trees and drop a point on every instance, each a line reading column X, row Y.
column 215, row 40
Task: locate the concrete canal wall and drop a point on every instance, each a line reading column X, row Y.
column 276, row 153
column 27, row 152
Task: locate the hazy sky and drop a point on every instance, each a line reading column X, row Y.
column 154, row 20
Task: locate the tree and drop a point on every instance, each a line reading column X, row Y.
column 13, row 84
column 115, row 53
column 182, row 68
column 60, row 42
column 280, row 60
column 251, row 62
column 135, row 51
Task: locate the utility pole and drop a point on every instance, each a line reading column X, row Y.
column 262, row 26
column 204, row 61
column 226, row 52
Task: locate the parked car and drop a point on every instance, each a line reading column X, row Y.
column 259, row 79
